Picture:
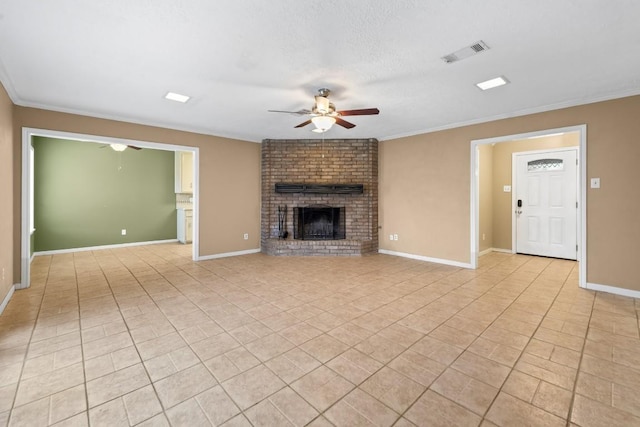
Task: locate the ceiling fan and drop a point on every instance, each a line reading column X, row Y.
column 121, row 147
column 324, row 114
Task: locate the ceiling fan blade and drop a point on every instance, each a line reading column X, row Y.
column 299, row 112
column 133, row 147
column 303, row 124
column 344, row 123
column 361, row 112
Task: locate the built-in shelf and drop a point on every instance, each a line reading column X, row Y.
column 320, row 188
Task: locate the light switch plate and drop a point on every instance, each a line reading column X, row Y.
column 506, row 189
column 595, row 182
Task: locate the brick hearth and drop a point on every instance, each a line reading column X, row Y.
column 314, row 161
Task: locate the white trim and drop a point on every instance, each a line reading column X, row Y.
column 102, row 247
column 503, row 251
column 228, row 254
column 25, row 230
column 98, row 139
column 7, row 298
column 489, row 250
column 514, row 174
column 425, row 258
column 133, row 120
column 530, row 135
column 17, row 100
column 612, row 290
column 518, row 113
column 28, row 133
column 582, row 218
column 582, row 203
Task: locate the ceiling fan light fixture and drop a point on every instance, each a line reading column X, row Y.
column 323, row 114
column 322, row 105
column 118, row 147
column 323, row 123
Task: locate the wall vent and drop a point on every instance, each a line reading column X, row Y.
column 466, row 52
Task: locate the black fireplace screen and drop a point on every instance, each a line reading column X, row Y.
column 319, row 223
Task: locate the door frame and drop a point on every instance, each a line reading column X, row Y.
column 27, row 135
column 474, row 220
column 513, row 190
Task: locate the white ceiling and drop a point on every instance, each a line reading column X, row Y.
column 239, row 58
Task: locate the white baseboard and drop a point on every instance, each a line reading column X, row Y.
column 6, row 299
column 486, row 251
column 489, row 250
column 504, row 251
column 228, row 254
column 612, row 290
column 97, row 248
column 424, row 258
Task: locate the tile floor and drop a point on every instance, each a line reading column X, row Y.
column 144, row 336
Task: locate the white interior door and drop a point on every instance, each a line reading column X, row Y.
column 546, row 199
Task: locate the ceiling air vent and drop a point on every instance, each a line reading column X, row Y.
column 466, row 52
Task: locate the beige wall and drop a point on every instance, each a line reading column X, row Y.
column 502, row 158
column 425, row 187
column 6, row 189
column 229, row 176
column 424, row 196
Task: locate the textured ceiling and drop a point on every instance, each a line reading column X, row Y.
column 239, row 58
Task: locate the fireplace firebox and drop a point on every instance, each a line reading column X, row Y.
column 319, row 222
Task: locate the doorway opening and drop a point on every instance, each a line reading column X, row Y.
column 503, row 189
column 28, row 188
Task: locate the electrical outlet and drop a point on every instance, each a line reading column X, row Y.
column 395, row 237
column 124, row 232
column 390, row 236
column 595, row 182
column 246, row 236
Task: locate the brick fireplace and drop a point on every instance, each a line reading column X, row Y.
column 333, row 175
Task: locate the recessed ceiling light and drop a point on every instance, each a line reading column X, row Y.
column 177, row 97
column 490, row 84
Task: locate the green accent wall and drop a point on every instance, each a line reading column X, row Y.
column 86, row 193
